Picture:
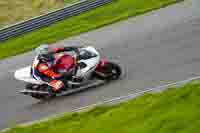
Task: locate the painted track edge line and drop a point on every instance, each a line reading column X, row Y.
column 133, row 95
column 119, row 98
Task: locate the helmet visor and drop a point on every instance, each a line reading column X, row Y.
column 42, row 50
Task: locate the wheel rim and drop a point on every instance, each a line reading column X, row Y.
column 116, row 72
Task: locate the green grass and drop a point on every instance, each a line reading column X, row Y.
column 117, row 10
column 171, row 111
column 12, row 11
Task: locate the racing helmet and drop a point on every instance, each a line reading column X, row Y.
column 44, row 54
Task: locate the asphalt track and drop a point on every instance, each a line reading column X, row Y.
column 154, row 49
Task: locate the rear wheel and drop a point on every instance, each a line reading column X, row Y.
column 38, row 96
column 35, row 87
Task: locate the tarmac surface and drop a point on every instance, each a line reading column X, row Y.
column 154, row 49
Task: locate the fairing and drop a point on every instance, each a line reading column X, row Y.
column 24, row 74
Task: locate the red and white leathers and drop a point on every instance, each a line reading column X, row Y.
column 46, row 71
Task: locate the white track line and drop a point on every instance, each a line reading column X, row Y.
column 126, row 97
column 133, row 95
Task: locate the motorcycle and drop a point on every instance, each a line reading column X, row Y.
column 91, row 67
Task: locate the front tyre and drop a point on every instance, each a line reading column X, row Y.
column 115, row 71
column 111, row 71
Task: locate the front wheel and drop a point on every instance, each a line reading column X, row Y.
column 111, row 71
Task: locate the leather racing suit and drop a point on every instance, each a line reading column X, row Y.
column 46, row 72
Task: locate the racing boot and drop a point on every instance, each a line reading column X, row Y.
column 56, row 87
column 52, row 93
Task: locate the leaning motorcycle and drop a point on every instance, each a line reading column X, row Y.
column 91, row 67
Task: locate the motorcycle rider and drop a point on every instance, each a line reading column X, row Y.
column 43, row 66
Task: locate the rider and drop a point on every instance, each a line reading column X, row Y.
column 43, row 66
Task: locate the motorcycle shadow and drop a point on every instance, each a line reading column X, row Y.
column 74, row 92
column 50, row 103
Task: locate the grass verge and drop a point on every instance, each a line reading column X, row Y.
column 117, row 10
column 171, row 111
column 13, row 11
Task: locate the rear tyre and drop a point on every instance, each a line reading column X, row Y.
column 32, row 86
column 40, row 97
column 36, row 87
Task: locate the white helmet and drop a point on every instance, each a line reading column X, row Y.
column 42, row 49
column 43, row 53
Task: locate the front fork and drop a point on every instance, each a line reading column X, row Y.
column 101, row 65
column 100, row 69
